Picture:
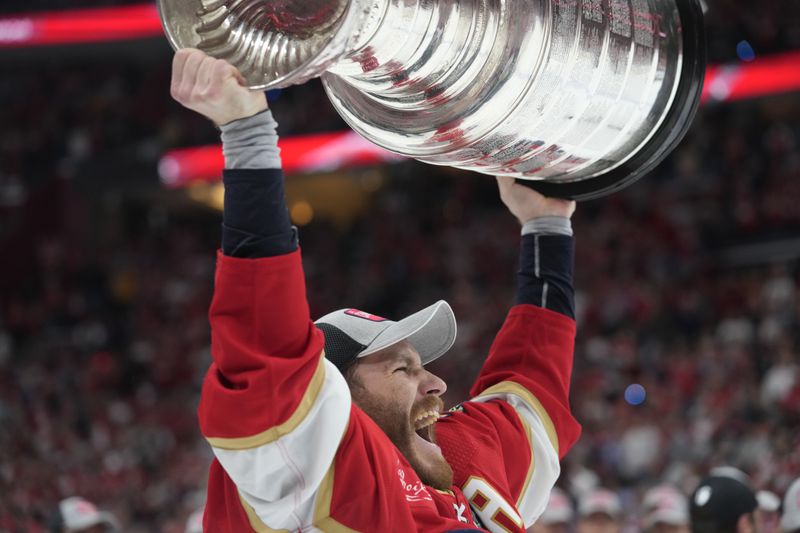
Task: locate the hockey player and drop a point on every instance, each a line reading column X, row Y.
column 345, row 430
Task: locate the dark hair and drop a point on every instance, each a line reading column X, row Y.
column 348, row 370
column 715, row 527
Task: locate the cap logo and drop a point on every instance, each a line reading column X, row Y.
column 365, row 316
column 86, row 508
column 702, row 496
column 664, row 501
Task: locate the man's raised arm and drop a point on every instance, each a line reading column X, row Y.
column 533, row 351
column 272, row 408
column 504, row 444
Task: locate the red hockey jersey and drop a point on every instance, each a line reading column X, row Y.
column 294, row 454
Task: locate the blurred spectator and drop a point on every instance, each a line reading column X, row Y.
column 769, row 512
column 790, row 517
column 599, row 511
column 722, row 504
column 666, row 510
column 195, row 522
column 557, row 516
column 77, row 515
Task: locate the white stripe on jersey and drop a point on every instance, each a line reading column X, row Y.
column 279, row 480
column 545, row 467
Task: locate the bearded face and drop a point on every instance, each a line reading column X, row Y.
column 393, row 388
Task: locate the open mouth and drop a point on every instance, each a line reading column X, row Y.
column 423, row 424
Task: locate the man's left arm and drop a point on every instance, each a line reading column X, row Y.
column 533, row 352
column 505, row 444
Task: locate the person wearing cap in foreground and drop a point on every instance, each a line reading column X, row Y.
column 78, row 515
column 337, row 425
column 723, row 504
column 790, row 516
column 666, row 510
column 557, row 516
column 599, row 511
column 768, row 504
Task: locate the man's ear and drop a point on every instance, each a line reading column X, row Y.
column 746, row 524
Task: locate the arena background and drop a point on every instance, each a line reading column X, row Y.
column 688, row 281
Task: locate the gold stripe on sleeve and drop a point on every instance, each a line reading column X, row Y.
column 322, row 508
column 255, row 522
column 276, row 432
column 510, row 387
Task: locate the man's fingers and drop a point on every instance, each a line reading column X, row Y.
column 178, row 66
column 189, row 74
column 192, row 73
column 238, row 76
column 205, row 75
column 504, row 183
column 213, row 88
column 224, row 72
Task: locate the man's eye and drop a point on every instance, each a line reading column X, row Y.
column 401, row 369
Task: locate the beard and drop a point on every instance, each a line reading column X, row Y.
column 432, row 469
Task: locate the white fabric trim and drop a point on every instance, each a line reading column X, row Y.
column 544, row 296
column 280, row 479
column 533, row 503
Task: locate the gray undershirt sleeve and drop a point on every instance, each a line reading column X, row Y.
column 251, row 143
column 551, row 225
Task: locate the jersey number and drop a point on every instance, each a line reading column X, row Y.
column 495, row 512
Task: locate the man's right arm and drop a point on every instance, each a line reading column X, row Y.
column 272, row 407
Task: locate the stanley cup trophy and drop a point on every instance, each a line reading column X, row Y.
column 581, row 97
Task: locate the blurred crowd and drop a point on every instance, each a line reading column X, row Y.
column 688, row 297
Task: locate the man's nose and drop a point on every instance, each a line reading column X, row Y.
column 432, row 385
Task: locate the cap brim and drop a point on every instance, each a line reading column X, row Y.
column 103, row 518
column 612, row 513
column 790, row 521
column 432, row 331
column 671, row 517
column 557, row 516
column 768, row 501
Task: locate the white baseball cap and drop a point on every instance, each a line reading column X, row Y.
column 790, row 520
column 79, row 513
column 194, row 524
column 351, row 334
column 600, row 501
column 558, row 510
column 731, row 472
column 768, row 501
column 665, row 504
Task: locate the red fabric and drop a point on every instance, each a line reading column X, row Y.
column 223, row 511
column 534, row 349
column 265, row 347
column 487, row 440
column 375, row 488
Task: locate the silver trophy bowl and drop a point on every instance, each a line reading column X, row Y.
column 579, row 98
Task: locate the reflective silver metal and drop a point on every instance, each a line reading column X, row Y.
column 582, row 96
